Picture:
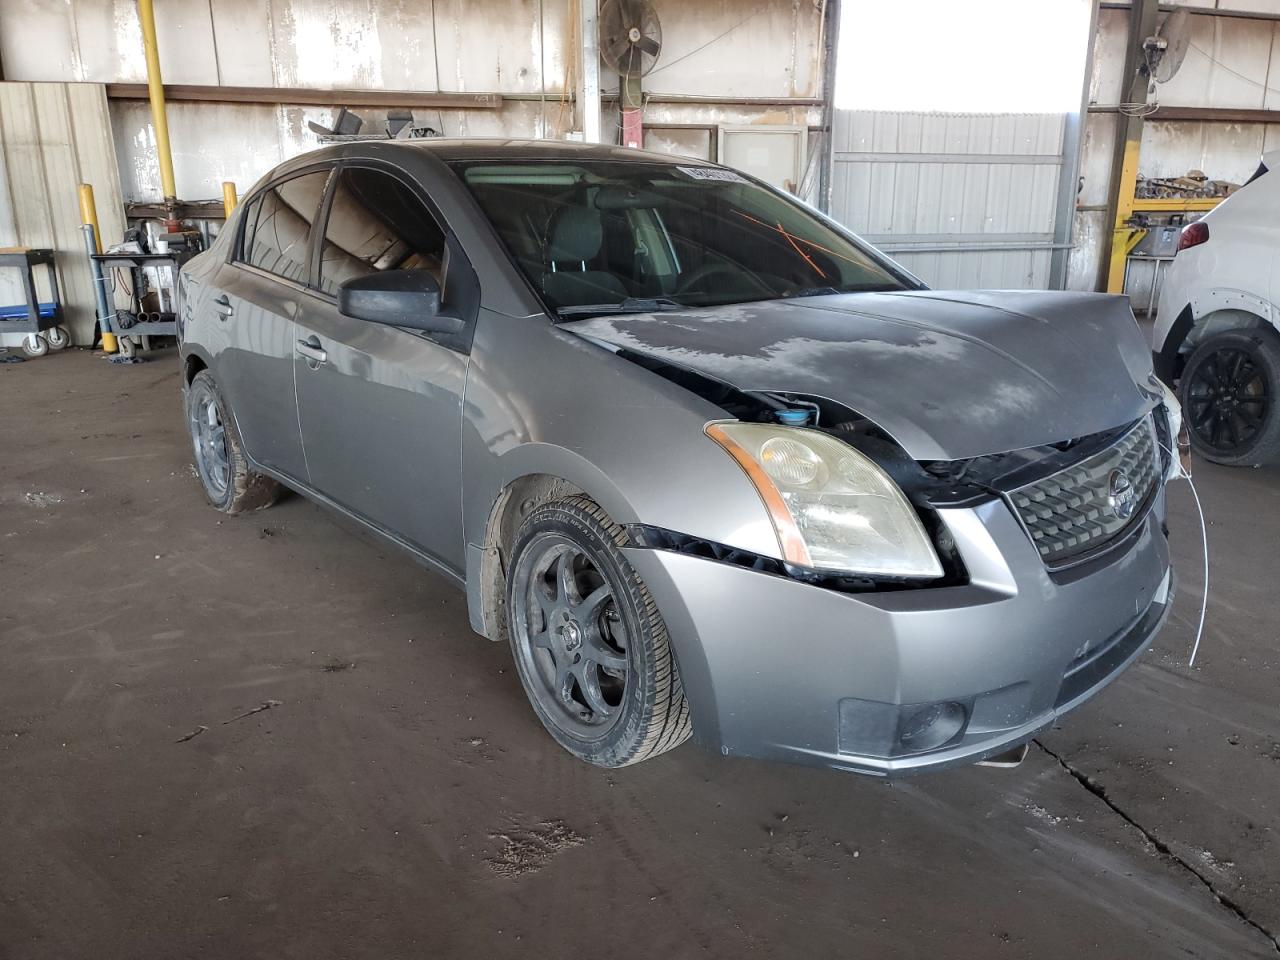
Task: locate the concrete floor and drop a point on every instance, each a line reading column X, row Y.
column 399, row 799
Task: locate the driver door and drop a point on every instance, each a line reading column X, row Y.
column 380, row 406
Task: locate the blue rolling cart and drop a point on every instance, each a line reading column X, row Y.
column 40, row 320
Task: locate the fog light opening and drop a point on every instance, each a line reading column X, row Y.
column 931, row 726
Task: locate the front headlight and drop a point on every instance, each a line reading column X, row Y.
column 1173, row 417
column 832, row 508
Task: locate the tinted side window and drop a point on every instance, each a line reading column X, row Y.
column 278, row 224
column 377, row 223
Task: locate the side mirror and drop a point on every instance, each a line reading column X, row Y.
column 400, row 298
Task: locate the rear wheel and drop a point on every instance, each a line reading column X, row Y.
column 1228, row 392
column 57, row 338
column 221, row 464
column 589, row 644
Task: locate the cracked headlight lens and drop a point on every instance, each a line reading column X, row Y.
column 832, row 507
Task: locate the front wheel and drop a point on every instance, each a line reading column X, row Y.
column 221, row 464
column 1228, row 393
column 589, row 643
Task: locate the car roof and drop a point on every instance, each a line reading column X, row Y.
column 477, row 148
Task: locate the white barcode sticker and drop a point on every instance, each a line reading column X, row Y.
column 712, row 173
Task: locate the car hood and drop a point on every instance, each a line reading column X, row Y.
column 948, row 375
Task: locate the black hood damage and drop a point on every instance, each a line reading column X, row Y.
column 948, row 375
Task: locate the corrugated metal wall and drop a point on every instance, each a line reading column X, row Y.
column 961, row 200
column 521, row 49
column 1232, row 62
column 53, row 137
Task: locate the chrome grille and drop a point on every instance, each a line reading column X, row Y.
column 1073, row 511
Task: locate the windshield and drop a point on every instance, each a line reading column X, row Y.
column 637, row 236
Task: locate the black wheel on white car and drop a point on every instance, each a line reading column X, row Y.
column 221, row 464
column 1228, row 391
column 589, row 643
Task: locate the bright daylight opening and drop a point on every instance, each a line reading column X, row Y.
column 979, row 56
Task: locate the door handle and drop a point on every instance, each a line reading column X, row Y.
column 223, row 307
column 311, row 349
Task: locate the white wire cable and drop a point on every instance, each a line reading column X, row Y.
column 1185, row 474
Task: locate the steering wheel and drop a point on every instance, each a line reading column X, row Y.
column 707, row 270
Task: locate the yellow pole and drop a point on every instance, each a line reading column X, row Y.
column 89, row 212
column 229, row 199
column 1124, row 210
column 155, row 90
column 89, row 215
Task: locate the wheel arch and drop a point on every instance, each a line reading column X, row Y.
column 1216, row 312
column 193, row 361
column 529, row 475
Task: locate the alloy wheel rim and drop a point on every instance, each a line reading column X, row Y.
column 209, row 437
column 572, row 641
column 1228, row 400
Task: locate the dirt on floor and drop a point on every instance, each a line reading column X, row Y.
column 269, row 736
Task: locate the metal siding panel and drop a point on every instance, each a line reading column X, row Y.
column 54, row 137
column 935, row 179
column 61, row 178
column 906, row 190
column 24, row 164
column 880, row 202
column 1003, row 182
column 927, row 210
column 1045, row 194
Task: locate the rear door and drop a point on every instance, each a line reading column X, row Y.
column 255, row 304
column 381, row 413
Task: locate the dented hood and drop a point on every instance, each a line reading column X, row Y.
column 948, row 375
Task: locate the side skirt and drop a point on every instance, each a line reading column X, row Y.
column 425, row 559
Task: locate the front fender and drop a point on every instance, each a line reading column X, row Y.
column 543, row 401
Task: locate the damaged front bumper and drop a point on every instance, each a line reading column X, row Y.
column 890, row 683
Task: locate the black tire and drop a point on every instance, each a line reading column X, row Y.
column 224, row 472
column 1229, row 391
column 623, row 654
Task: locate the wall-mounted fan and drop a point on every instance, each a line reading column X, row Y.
column 1168, row 48
column 630, row 36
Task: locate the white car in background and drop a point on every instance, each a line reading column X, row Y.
column 1218, row 326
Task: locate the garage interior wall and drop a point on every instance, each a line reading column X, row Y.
column 955, row 145
column 53, row 137
column 1232, row 70
column 722, row 62
column 960, row 200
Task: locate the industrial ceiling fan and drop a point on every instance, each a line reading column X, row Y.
column 630, row 42
column 630, row 36
column 1168, row 48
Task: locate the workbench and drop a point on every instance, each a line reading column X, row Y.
column 136, row 321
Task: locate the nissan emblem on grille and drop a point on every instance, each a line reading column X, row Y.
column 1121, row 495
column 1086, row 505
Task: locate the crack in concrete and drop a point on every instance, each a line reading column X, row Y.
column 1163, row 848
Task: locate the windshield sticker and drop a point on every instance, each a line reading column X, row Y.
column 712, row 173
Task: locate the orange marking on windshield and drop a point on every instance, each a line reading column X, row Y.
column 807, row 259
column 792, row 238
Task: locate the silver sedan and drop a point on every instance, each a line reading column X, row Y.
column 712, row 466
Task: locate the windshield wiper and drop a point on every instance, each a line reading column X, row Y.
column 629, row 305
column 833, row 291
column 815, row 292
